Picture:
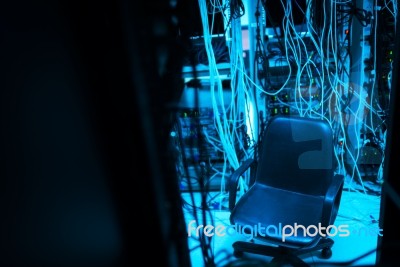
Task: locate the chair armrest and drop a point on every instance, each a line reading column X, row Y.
column 233, row 180
column 332, row 200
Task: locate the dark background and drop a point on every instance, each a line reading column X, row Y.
column 85, row 171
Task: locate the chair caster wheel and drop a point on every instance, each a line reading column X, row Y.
column 238, row 254
column 326, row 253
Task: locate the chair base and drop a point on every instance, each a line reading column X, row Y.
column 284, row 255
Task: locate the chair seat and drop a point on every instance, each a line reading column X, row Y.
column 274, row 208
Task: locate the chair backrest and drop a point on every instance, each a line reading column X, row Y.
column 296, row 155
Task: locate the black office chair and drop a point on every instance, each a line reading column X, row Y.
column 294, row 184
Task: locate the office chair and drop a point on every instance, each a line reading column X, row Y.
column 294, row 184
